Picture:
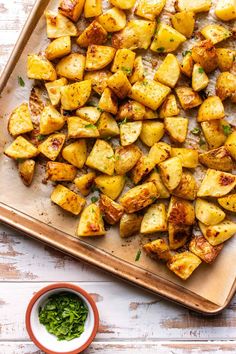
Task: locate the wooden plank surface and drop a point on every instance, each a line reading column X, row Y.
column 132, row 321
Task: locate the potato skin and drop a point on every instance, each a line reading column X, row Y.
column 187, row 97
column 216, row 184
column 214, row 133
column 131, row 110
column 204, row 53
column 219, row 159
column 130, row 224
column 187, row 188
column 71, row 8
column 183, row 264
column 126, row 158
column 158, row 249
column 26, row 170
column 112, row 211
column 171, row 172
column 204, row 250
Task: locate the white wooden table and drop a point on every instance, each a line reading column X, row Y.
column 132, row 321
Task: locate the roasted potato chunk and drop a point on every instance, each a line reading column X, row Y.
column 54, row 90
column 93, row 34
column 85, row 182
column 158, row 248
column 150, row 114
column 225, row 58
column 99, row 79
column 80, row 128
column 208, row 213
column 98, row 56
column 119, row 84
column 217, row 234
column 107, row 126
column 150, row 93
column 187, row 64
column 151, row 132
column 226, row 86
column 228, row 202
column 204, row 250
column 188, row 157
column 169, row 71
column 187, row 188
column 60, row 171
column 124, row 60
column 138, row 70
column 75, row 95
column 92, row 8
column 162, row 190
column 183, row 264
column 108, row 101
column 71, row 8
column 199, row 78
column 101, row 157
column 20, row 121
column 58, row 48
column 139, row 197
column 39, row 68
column 130, row 224
column 112, row 211
column 126, row 158
column 52, row 146
column 180, row 212
column 142, row 168
column 178, row 235
column 26, row 170
column 219, row 159
column 111, row 186
column 113, row 20
column 225, row 10
column 76, row 153
column 196, row 6
column 169, row 108
column 129, row 132
column 171, row 172
column 123, row 4
column 21, row 148
column 216, row 184
column 216, row 33
column 187, row 97
column 204, row 53
column 166, row 39
column 184, row 22
column 159, row 152
column 67, row 199
column 136, row 34
column 177, row 128
column 91, row 222
column 149, row 9
column 154, row 220
column 59, row 25
column 50, row 120
column 91, row 114
column 72, row 67
column 131, row 110
column 214, row 132
column 230, row 144
column 211, row 109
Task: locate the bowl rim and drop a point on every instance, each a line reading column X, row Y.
column 68, row 286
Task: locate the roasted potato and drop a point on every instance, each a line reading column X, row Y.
column 91, row 114
column 39, row 68
column 169, row 71
column 149, row 9
column 219, row 159
column 92, row 8
column 178, row 235
column 208, row 213
column 151, row 132
column 154, row 220
column 150, row 93
column 75, row 153
column 54, row 90
column 59, row 25
column 139, row 197
column 225, row 10
column 211, row 109
column 216, row 184
column 184, row 22
column 91, row 222
column 108, row 101
column 20, row 121
column 60, row 171
column 99, row 79
column 214, row 132
column 124, row 60
column 138, row 70
column 188, row 157
column 169, row 108
column 136, row 34
column 226, row 86
column 75, row 95
column 119, row 84
column 21, row 148
column 93, row 34
column 85, row 182
column 158, row 248
column 126, row 158
column 225, row 58
column 204, row 53
column 107, row 126
column 72, row 67
column 111, row 186
column 183, row 264
column 228, row 202
column 80, row 128
column 216, row 33
column 171, row 172
column 50, row 120
column 187, row 188
column 187, row 64
column 217, row 234
column 199, row 78
column 58, row 48
column 98, row 56
column 196, row 6
column 26, row 171
column 131, row 110
column 113, row 20
column 112, row 211
column 162, row 190
column 130, row 225
column 123, row 4
column 177, row 128
column 142, row 168
column 159, row 152
column 71, row 8
column 204, row 250
column 52, row 146
column 129, row 132
column 166, row 39
column 101, row 157
column 150, row 114
column 230, row 144
column 187, row 97
column 67, row 199
column 180, row 212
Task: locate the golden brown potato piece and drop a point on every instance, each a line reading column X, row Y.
column 159, row 152
column 91, row 222
column 99, row 79
column 183, row 264
column 111, row 186
column 166, row 39
column 108, row 101
column 154, row 220
column 93, row 34
column 131, row 110
column 67, row 199
column 204, row 53
column 71, row 8
column 139, row 197
column 152, row 132
column 228, row 202
column 169, row 108
column 176, row 128
column 216, row 184
column 80, row 128
column 85, row 182
column 219, row 159
column 59, row 25
column 92, row 8
column 187, row 188
column 217, row 234
column 169, row 71
column 123, row 4
column 159, row 249
column 225, row 58
column 26, row 170
column 72, row 67
column 98, row 56
column 226, row 86
column 112, row 211
column 20, row 121
column 149, row 9
column 189, row 157
column 178, row 235
column 180, row 212
column 162, row 190
column 129, row 132
column 76, row 153
column 216, row 33
column 230, row 144
column 187, row 97
column 107, row 126
column 187, row 64
column 124, row 60
column 184, row 22
column 52, row 146
column 211, row 109
column 126, row 158
column 225, row 10
column 199, row 78
column 58, row 48
column 39, row 68
column 130, row 224
column 119, row 84
column 171, row 172
column 213, row 131
column 204, row 250
column 138, row 70
column 208, row 213
column 54, row 90
column 91, row 114
column 113, row 20
column 75, row 95
column 50, row 120
column 101, row 157
column 195, row 6
column 21, row 148
column 59, row 171
column 142, row 168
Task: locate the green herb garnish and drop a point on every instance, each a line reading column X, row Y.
column 127, row 70
column 202, row 142
column 110, row 157
column 20, row 81
column 138, row 254
column 161, row 49
column 64, row 315
column 94, row 199
column 92, row 126
column 200, row 70
column 19, row 160
column 123, row 121
column 227, row 129
column 172, row 40
column 99, row 109
column 195, row 131
column 186, row 52
column 40, row 137
column 109, row 36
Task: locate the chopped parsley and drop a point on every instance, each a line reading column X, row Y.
column 94, row 199
column 110, row 157
column 172, row 40
column 227, row 129
column 109, row 36
column 123, row 121
column 202, row 142
column 200, row 70
column 186, row 52
column 137, row 257
column 126, row 70
column 20, row 81
column 40, row 137
column 19, row 160
column 92, row 126
column 196, row 131
column 161, row 49
column 100, row 110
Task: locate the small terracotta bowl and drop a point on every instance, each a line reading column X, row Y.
column 48, row 342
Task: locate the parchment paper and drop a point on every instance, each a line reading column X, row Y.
column 212, row 282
